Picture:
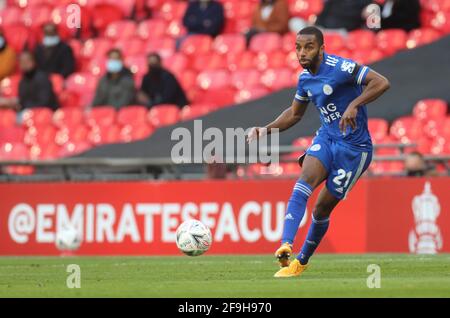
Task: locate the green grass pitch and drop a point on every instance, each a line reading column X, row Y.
column 225, row 276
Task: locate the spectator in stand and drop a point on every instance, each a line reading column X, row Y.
column 35, row 88
column 159, row 86
column 204, row 17
column 116, row 87
column 7, row 58
column 416, row 166
column 269, row 16
column 346, row 15
column 54, row 55
column 400, row 14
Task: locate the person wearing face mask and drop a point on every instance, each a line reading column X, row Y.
column 54, row 55
column 116, row 88
column 35, row 88
column 159, row 86
column 7, row 58
column 269, row 16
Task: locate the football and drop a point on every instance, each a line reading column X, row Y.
column 193, row 238
column 68, row 238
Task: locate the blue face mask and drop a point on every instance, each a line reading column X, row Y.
column 50, row 40
column 2, row 42
column 114, row 66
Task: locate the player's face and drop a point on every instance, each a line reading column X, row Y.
column 308, row 50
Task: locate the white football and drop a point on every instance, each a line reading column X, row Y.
column 193, row 238
column 68, row 238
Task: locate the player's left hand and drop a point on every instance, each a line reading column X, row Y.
column 348, row 119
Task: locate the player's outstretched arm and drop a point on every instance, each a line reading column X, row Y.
column 376, row 85
column 287, row 119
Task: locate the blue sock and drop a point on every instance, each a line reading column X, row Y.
column 316, row 232
column 295, row 210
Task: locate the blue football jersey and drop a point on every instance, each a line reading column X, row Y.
column 336, row 84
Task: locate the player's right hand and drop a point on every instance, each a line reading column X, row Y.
column 255, row 133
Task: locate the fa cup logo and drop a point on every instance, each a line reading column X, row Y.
column 426, row 238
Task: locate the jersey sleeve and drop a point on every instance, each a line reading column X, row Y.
column 352, row 72
column 301, row 95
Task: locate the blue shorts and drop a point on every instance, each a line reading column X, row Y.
column 344, row 164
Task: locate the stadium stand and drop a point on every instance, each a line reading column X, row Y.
column 216, row 73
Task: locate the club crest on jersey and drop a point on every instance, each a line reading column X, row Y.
column 315, row 147
column 309, row 93
column 327, row 89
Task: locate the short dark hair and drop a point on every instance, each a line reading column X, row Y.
column 154, row 54
column 114, row 50
column 312, row 30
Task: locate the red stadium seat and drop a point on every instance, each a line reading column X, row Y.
column 288, row 42
column 68, row 99
column 383, row 149
column 12, row 134
column 210, row 61
column 276, row 79
column 100, row 135
column 131, row 46
column 57, row 83
column 135, row 132
column 10, row 15
column 291, row 169
column 406, row 129
column 213, row 79
column 17, row 36
column 391, row 40
column 164, row 115
column 104, row 14
column 191, row 112
column 164, row 46
column 137, row 64
column 176, row 29
column 302, row 142
column 176, row 63
column 36, row 15
column 15, row 151
column 41, row 135
column 48, row 151
column 75, row 133
column 132, row 115
column 440, row 127
column 172, row 10
column 266, row 42
column 127, row 6
column 188, row 79
column 229, row 43
column 60, row 15
column 152, row 29
column 420, row 37
column 276, row 59
column 241, row 79
column 361, row 40
column 441, row 22
column 121, row 29
column 196, row 44
column 246, row 95
column 237, row 10
column 378, row 128
column 68, row 117
column 37, row 116
column 334, row 42
column 427, row 109
column 441, row 146
column 84, row 84
column 7, row 118
column 96, row 47
column 367, row 56
column 239, row 61
column 292, row 61
column 73, row 148
column 101, row 116
column 305, row 9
